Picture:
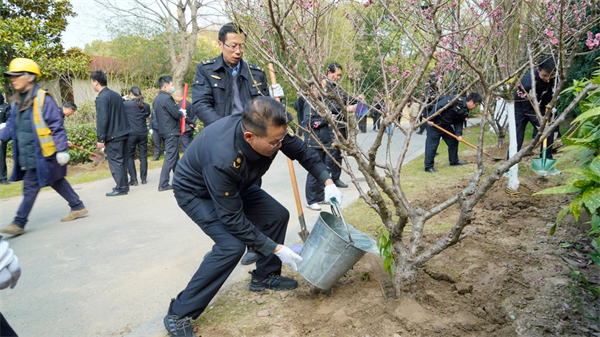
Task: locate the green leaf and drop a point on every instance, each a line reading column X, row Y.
column 595, row 165
column 588, row 114
column 591, row 198
column 585, row 173
column 561, row 215
column 559, row 190
column 552, row 230
column 583, row 183
column 576, row 206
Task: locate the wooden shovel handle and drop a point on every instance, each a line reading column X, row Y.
column 454, row 136
column 81, row 149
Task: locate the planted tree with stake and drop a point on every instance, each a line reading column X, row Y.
column 466, row 45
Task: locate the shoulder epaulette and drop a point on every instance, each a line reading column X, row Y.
column 208, row 61
column 252, row 66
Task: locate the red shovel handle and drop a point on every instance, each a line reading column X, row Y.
column 185, row 90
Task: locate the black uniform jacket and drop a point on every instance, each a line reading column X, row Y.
column 167, row 115
column 111, row 119
column 334, row 105
column 220, row 165
column 138, row 119
column 543, row 92
column 318, row 125
column 213, row 88
column 453, row 116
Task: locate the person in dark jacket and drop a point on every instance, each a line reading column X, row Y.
column 299, row 107
column 452, row 120
column 223, row 85
column 190, row 126
column 4, row 115
column 168, row 116
column 39, row 142
column 524, row 111
column 319, row 130
column 334, row 74
column 217, row 184
column 137, row 113
column 158, row 141
column 112, row 131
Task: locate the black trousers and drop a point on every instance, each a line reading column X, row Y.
column 157, row 139
column 315, row 191
column 335, row 170
column 521, row 120
column 5, row 329
column 263, row 211
column 171, row 159
column 117, row 154
column 362, row 124
column 186, row 140
column 376, row 121
column 3, row 173
column 141, row 142
column 433, row 141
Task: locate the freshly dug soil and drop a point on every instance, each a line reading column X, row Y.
column 508, row 278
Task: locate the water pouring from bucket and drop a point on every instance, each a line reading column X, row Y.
column 332, row 248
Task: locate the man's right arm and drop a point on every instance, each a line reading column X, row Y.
column 203, row 97
column 101, row 118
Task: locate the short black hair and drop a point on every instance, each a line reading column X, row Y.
column 100, row 77
column 547, row 64
column 261, row 113
column 1, row 99
column 164, row 80
column 70, row 105
column 229, row 28
column 475, row 97
column 333, row 66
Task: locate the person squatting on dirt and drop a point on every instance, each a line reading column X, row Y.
column 224, row 85
column 39, row 144
column 10, row 272
column 217, row 184
column 544, row 90
column 452, row 120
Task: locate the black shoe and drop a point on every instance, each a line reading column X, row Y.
column 431, row 170
column 166, row 188
column 144, row 181
column 133, row 183
column 273, row 282
column 250, row 258
column 419, row 132
column 155, row 159
column 116, row 193
column 459, row 163
column 340, row 184
column 4, row 182
column 179, row 327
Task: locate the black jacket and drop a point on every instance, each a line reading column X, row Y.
column 111, row 119
column 220, row 165
column 453, row 116
column 190, row 119
column 167, row 115
column 4, row 112
column 213, row 88
column 138, row 119
column 334, row 105
column 318, row 125
column 543, row 92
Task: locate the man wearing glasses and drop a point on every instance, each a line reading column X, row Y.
column 217, row 184
column 224, row 85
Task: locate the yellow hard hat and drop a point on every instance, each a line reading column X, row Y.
column 22, row 65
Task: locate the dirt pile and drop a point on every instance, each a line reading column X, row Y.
column 509, row 278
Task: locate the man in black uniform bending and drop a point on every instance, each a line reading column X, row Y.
column 452, row 120
column 217, row 184
column 168, row 116
column 224, row 85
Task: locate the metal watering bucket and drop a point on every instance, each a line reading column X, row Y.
column 332, row 248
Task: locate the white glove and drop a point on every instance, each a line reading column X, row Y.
column 63, row 158
column 276, row 90
column 2, row 126
column 151, row 131
column 184, row 112
column 287, row 256
column 331, row 191
column 10, row 271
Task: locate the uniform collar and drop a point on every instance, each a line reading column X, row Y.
column 243, row 145
column 242, row 69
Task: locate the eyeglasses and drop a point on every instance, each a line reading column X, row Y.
column 271, row 144
column 236, row 46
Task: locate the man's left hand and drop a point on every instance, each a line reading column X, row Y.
column 100, row 145
column 276, row 90
column 184, row 112
column 460, row 138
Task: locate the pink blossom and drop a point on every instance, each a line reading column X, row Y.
column 263, row 41
column 554, row 41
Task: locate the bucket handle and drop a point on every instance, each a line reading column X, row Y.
column 337, row 211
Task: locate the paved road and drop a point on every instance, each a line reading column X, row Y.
column 113, row 272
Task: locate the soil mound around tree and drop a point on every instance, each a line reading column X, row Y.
column 508, row 278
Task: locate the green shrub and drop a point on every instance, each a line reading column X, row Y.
column 83, row 135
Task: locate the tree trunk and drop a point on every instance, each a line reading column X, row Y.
column 404, row 276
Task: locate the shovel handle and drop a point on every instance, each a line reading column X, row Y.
column 81, row 149
column 460, row 140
